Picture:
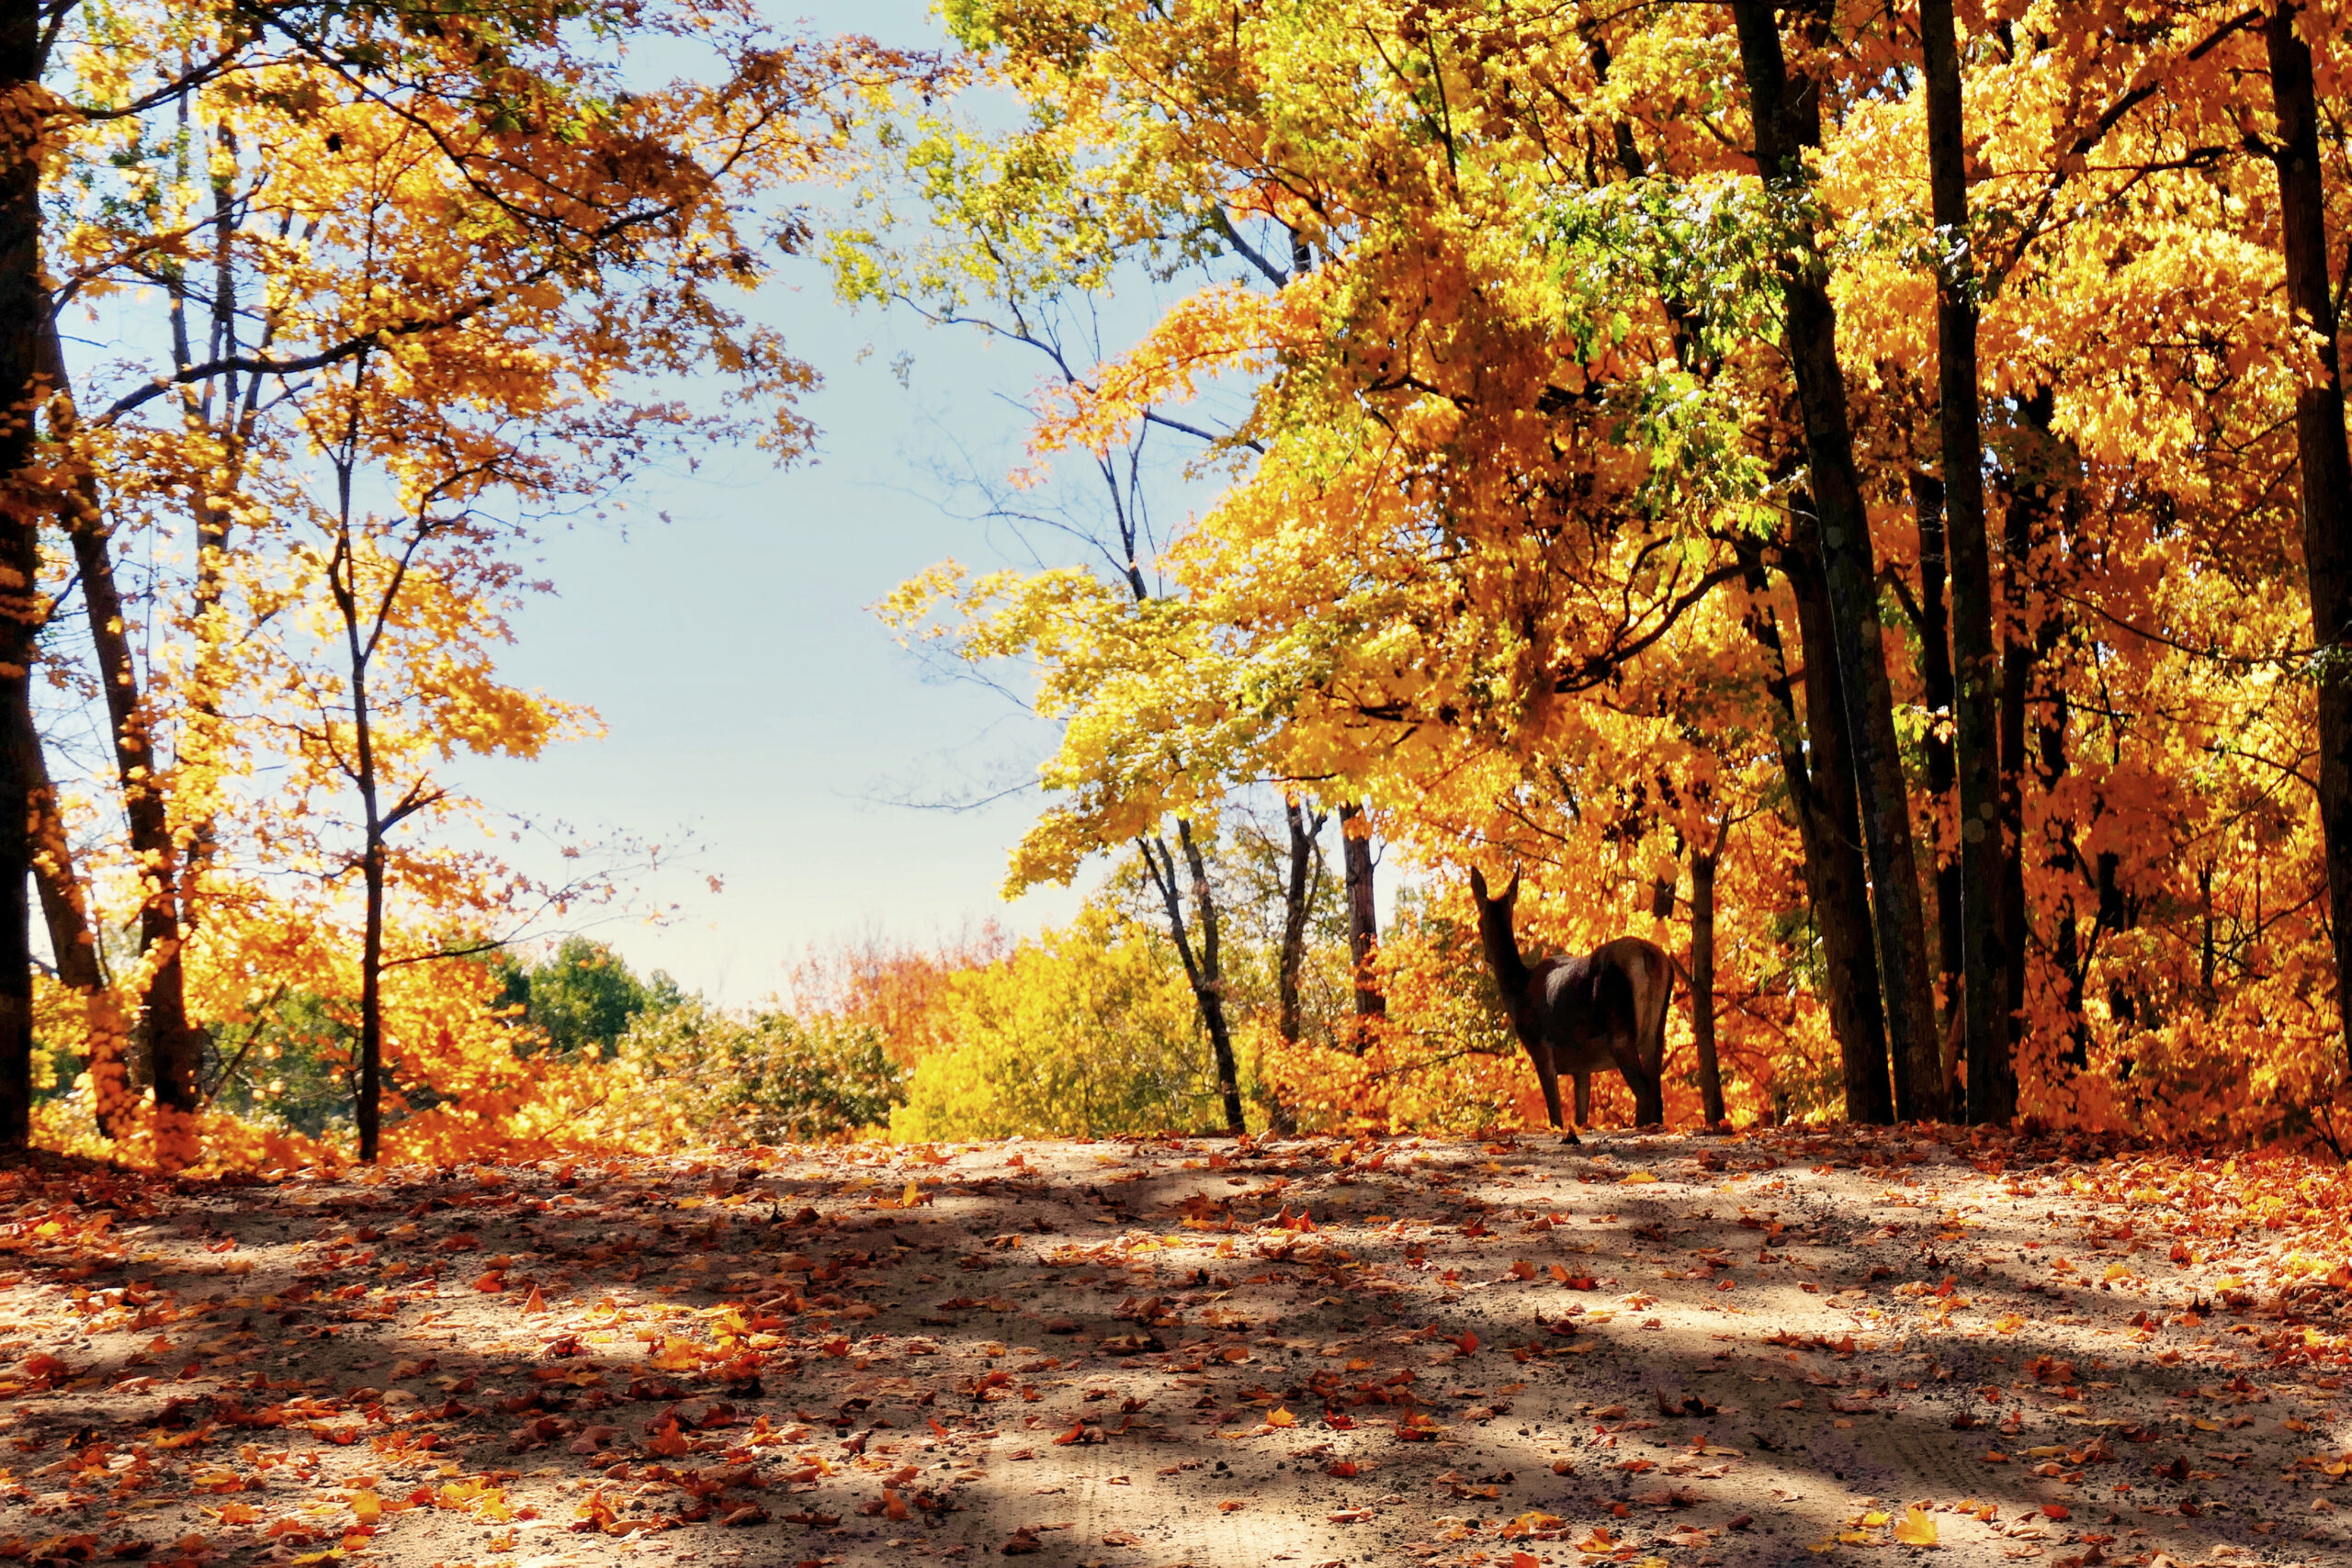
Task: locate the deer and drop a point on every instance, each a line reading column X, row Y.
column 1575, row 1014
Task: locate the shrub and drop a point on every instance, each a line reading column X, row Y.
column 764, row 1077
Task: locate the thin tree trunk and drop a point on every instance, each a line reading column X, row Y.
column 1935, row 681
column 1364, row 919
column 1702, row 986
column 1832, row 858
column 2035, row 468
column 1202, row 963
column 2321, row 458
column 174, row 1050
column 1786, row 118
column 2205, row 937
column 23, row 307
column 1298, row 904
column 370, row 1107
column 1983, row 958
column 1841, row 899
column 359, row 642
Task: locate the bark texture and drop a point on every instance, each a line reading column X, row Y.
column 2324, row 466
column 1786, row 119
column 1364, row 918
column 1702, row 986
column 24, row 308
column 1983, row 958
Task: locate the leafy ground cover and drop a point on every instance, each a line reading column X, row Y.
column 1772, row 1348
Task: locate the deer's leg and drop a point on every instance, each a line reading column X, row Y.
column 1547, row 1075
column 1584, row 1098
column 1649, row 1097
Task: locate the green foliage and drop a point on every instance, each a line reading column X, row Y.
column 1089, row 1030
column 766, row 1077
column 290, row 1068
column 583, row 997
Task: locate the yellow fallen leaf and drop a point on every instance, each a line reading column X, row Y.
column 1631, row 1176
column 536, row 1304
column 908, row 1198
column 1915, row 1528
column 367, row 1507
column 1872, row 1519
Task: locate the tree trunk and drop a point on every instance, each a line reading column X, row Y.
column 23, row 307
column 1936, row 682
column 1836, row 876
column 1786, row 118
column 2036, row 467
column 63, row 907
column 1702, row 986
column 174, row 1049
column 1228, row 1073
column 1983, row 958
column 1202, row 961
column 371, row 1100
column 1364, row 919
column 1298, row 904
column 2320, row 458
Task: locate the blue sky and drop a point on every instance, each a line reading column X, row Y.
column 751, row 700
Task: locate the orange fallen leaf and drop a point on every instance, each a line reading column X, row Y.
column 1916, row 1527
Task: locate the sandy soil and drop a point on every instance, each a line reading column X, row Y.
column 1659, row 1350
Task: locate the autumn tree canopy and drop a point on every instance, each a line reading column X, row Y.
column 1595, row 506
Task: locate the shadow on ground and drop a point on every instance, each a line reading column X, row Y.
column 1653, row 1349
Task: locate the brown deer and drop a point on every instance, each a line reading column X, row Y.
column 1575, row 1014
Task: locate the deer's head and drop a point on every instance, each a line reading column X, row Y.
column 1495, row 933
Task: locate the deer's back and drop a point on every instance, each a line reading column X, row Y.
column 1585, row 999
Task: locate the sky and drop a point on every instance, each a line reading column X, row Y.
column 755, row 709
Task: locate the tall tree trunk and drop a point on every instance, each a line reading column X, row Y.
column 370, row 1098
column 1298, row 906
column 2037, row 468
column 1936, row 682
column 1364, row 919
column 2321, row 458
column 24, row 308
column 1702, row 986
column 1787, row 120
column 1299, row 888
column 1820, row 798
column 174, row 1048
column 1983, row 958
column 359, row 641
column 1835, row 871
column 1203, row 962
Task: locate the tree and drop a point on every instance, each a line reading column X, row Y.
column 583, row 997
column 2321, row 464
column 1571, row 551
column 1983, row 955
column 407, row 257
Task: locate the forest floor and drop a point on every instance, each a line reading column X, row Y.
column 1666, row 1350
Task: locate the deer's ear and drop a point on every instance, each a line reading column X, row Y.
column 1511, row 894
column 1478, row 887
